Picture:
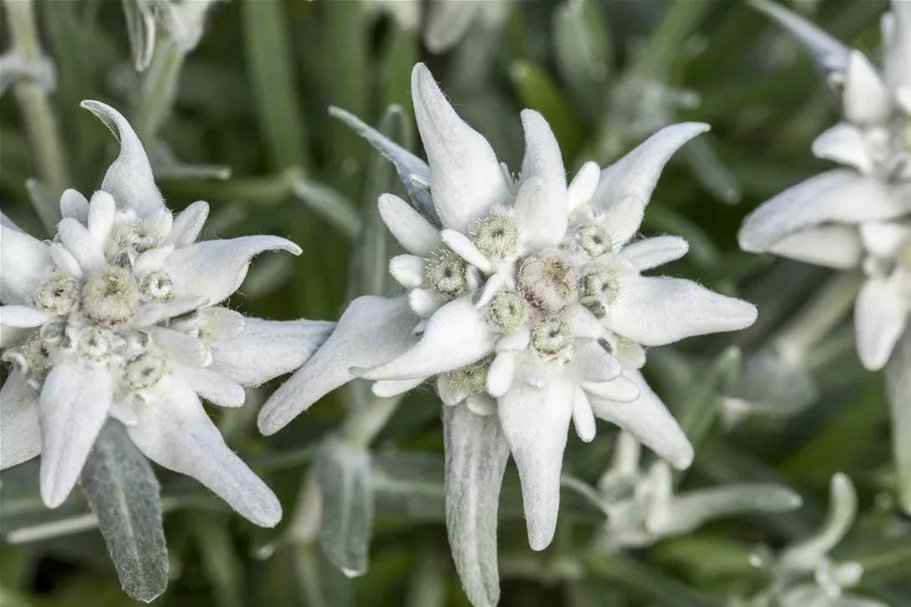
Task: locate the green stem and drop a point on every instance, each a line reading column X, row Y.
column 159, row 88
column 650, row 585
column 37, row 112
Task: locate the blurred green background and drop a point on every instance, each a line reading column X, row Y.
column 254, row 97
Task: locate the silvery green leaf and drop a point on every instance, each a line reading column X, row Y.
column 330, row 204
column 140, row 19
column 46, row 204
column 773, row 384
column 707, row 168
column 582, row 50
column 898, row 389
column 411, row 169
column 121, row 488
column 807, row 554
column 476, row 456
column 343, row 474
column 166, row 165
column 409, row 484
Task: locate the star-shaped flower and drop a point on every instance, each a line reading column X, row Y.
column 525, row 300
column 117, row 317
column 856, row 216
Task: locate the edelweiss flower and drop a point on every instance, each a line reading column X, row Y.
column 855, row 216
column 525, row 300
column 183, row 20
column 803, row 573
column 116, row 318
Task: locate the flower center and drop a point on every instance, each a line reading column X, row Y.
column 144, row 371
column 59, row 294
column 497, row 235
column 547, row 281
column 508, row 311
column 110, row 296
column 471, row 379
column 602, row 284
column 593, row 239
column 551, row 336
column 157, row 286
column 446, row 272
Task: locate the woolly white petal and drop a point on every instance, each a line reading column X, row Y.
column 466, row 249
column 372, row 331
column 152, row 313
column 151, row 260
column 648, row 420
column 417, row 235
column 501, row 374
column 582, row 187
column 79, row 242
column 465, row 176
column 174, row 431
column 840, row 196
column 583, row 417
column 267, row 349
column 625, row 187
column 831, row 54
column 25, row 263
column 389, row 388
column 214, row 269
column 620, row 389
column 898, row 46
column 23, row 316
column 832, row 246
column 74, row 405
column 408, row 270
column 129, row 179
column 64, row 260
column 655, row 311
column 214, row 387
column 456, row 335
column 101, row 216
column 188, row 225
column 535, row 423
column 844, row 143
column 593, row 363
column 653, row 252
column 424, row 302
column 180, row 348
column 476, row 456
column 866, row 98
column 880, row 315
column 20, row 431
column 74, row 204
column 541, row 202
column 882, row 239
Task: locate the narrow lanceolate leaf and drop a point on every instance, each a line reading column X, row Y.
column 898, row 388
column 476, row 455
column 122, row 491
column 343, row 474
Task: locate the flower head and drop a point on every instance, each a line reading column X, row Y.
column 856, row 216
column 116, row 317
column 508, row 329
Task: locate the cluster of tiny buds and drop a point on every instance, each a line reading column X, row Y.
column 547, row 280
column 593, row 239
column 497, row 234
column 552, row 336
column 59, row 294
column 471, row 379
column 130, row 236
column 111, row 296
column 446, row 272
column 508, row 311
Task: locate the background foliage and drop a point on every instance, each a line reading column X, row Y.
column 254, row 97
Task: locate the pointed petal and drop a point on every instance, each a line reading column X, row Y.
column 648, row 421
column 466, row 249
column 655, row 311
column 541, row 203
column 406, row 164
column 408, row 270
column 831, row 54
column 101, row 216
column 846, row 144
column 181, row 348
column 371, row 331
column 79, row 242
column 882, row 239
column 501, row 374
column 23, row 317
column 268, row 348
column 214, row 387
column 64, row 260
column 535, row 423
column 832, row 246
column 583, row 416
column 153, row 313
column 175, row 432
column 20, row 431
column 74, row 204
column 476, row 456
column 880, row 316
column 621, row 389
column 456, row 335
column 417, row 235
column 653, row 252
column 593, row 363
column 830, row 197
column 583, row 185
column 806, row 554
column 151, row 260
column 25, row 263
column 897, row 46
column 188, row 225
column 389, row 388
column 629, row 182
column 214, row 269
column 74, row 405
column 866, row 98
column 465, row 176
column 129, row 179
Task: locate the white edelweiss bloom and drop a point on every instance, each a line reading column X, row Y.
column 642, row 508
column 117, row 318
column 854, row 216
column 449, row 20
column 803, row 573
column 524, row 302
column 182, row 20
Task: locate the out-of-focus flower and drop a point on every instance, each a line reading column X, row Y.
column 803, row 574
column 642, row 508
column 117, row 318
column 856, row 216
column 525, row 302
column 182, row 20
